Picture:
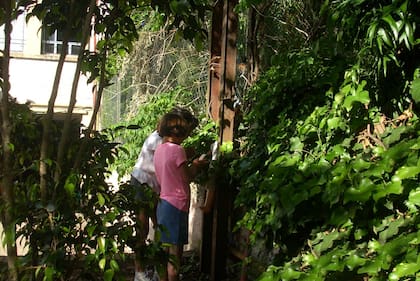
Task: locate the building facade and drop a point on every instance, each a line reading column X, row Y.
column 33, row 63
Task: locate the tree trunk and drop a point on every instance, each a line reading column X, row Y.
column 251, row 42
column 45, row 152
column 92, row 122
column 7, row 176
column 255, row 29
column 62, row 147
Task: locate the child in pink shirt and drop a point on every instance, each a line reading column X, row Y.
column 174, row 176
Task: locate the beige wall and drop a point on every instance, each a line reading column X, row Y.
column 32, row 73
column 32, row 45
column 20, row 244
column 32, row 80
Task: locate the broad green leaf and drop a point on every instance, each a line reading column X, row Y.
column 379, row 44
column 359, row 165
column 354, row 261
column 90, row 229
column 405, row 270
column 11, row 146
column 414, row 197
column 290, row 274
column 334, row 123
column 374, row 245
column 296, row 145
column 226, row 147
column 109, row 274
column 70, row 185
column 391, row 229
column 102, row 263
column 372, row 32
column 313, row 276
column 101, row 244
column 49, row 274
column 114, row 265
column 272, row 273
column 362, row 97
column 408, row 29
column 101, row 199
column 114, row 246
column 406, row 173
column 285, row 161
column 404, row 38
column 394, row 187
column 326, row 241
column 360, row 233
column 397, row 245
column 415, row 90
column 372, row 267
column 362, row 192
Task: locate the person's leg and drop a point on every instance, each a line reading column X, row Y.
column 174, row 267
column 153, row 214
column 163, row 272
column 142, row 231
column 174, row 231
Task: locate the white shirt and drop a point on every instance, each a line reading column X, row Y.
column 144, row 169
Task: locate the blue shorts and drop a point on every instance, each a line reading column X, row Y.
column 173, row 223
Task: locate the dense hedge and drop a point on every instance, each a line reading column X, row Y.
column 333, row 191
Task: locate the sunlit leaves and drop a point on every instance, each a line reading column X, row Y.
column 405, row 270
column 339, row 168
column 415, row 90
column 391, row 29
column 187, row 16
column 357, row 94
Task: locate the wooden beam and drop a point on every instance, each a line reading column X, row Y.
column 213, row 107
column 223, row 196
column 228, row 64
column 213, row 93
column 220, row 102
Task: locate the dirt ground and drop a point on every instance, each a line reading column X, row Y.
column 190, row 270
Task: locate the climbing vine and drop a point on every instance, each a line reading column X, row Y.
column 332, row 193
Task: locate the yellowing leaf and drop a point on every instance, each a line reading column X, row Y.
column 102, row 263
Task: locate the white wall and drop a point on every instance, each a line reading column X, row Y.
column 32, row 80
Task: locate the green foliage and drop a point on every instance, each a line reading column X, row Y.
column 202, row 138
column 81, row 232
column 188, row 17
column 199, row 143
column 332, row 191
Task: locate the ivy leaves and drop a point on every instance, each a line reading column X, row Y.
column 335, row 183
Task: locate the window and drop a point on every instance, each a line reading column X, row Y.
column 17, row 36
column 52, row 44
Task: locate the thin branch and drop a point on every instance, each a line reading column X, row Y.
column 67, row 123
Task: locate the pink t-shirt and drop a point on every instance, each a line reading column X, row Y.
column 174, row 187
